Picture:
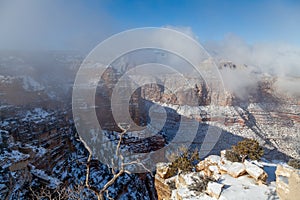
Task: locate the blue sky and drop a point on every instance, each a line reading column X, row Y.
column 254, row 20
column 73, row 24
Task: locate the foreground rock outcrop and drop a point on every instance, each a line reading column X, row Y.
column 288, row 182
column 217, row 178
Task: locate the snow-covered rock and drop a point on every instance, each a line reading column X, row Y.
column 186, row 179
column 224, row 165
column 215, row 171
column 164, row 187
column 214, row 168
column 245, row 188
column 163, row 170
column 186, row 194
column 201, row 165
column 213, row 159
column 222, row 154
column 255, row 172
column 236, row 169
column 288, row 182
column 241, row 181
column 214, row 189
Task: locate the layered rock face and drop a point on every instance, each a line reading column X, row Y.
column 40, row 149
column 38, row 140
column 263, row 113
column 103, row 103
column 185, row 94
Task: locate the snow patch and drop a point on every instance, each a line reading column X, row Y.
column 12, row 157
column 36, row 114
column 53, row 182
column 245, row 188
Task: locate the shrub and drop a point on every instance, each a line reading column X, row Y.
column 294, row 163
column 200, row 183
column 248, row 148
column 172, row 185
column 232, row 156
column 184, row 161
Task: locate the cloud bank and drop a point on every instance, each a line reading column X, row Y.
column 277, row 59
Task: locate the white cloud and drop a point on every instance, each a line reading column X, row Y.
column 277, row 59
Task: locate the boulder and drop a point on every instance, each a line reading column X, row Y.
column 255, row 172
column 215, row 171
column 236, row 169
column 201, row 165
column 214, row 189
column 224, row 165
column 163, row 187
column 163, row 170
column 223, row 153
column 287, row 182
column 212, row 160
column 206, row 173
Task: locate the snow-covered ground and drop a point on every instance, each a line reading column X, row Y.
column 37, row 114
column 246, row 188
column 53, row 182
column 8, row 158
column 254, row 121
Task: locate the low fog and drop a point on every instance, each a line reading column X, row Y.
column 279, row 60
column 55, row 25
